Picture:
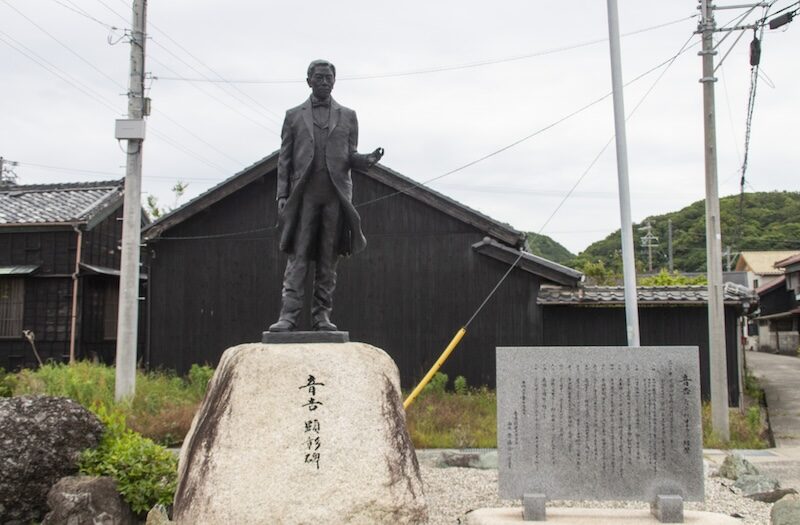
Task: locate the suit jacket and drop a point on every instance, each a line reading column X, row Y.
column 294, row 166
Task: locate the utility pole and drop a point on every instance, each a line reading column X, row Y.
column 628, row 261
column 132, row 130
column 669, row 244
column 716, row 315
column 649, row 241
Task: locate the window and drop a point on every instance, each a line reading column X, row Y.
column 12, row 299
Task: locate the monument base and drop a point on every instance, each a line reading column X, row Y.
column 582, row 516
column 300, row 336
column 300, row 433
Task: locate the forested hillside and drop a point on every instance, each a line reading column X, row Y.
column 759, row 221
column 544, row 246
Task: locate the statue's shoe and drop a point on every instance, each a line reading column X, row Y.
column 325, row 326
column 282, row 326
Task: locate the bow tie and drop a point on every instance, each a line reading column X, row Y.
column 320, row 103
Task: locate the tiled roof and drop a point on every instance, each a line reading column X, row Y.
column 614, row 295
column 783, row 263
column 56, row 203
column 763, row 263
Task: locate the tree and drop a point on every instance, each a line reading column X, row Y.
column 151, row 201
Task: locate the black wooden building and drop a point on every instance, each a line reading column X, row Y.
column 59, row 270
column 215, row 276
column 668, row 315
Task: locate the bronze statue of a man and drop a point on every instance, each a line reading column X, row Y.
column 315, row 191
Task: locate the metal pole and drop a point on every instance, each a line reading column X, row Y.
column 669, row 244
column 128, row 319
column 716, row 314
column 628, row 262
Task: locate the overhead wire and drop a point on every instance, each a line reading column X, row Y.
column 169, row 139
column 521, row 140
column 83, row 13
column 218, row 100
column 437, row 69
column 755, row 61
column 578, row 181
column 264, row 112
column 667, row 63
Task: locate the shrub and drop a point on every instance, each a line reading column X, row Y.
column 146, row 473
column 460, row 385
column 197, row 380
column 7, row 383
column 437, row 384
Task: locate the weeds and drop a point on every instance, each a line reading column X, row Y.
column 161, row 410
column 748, row 430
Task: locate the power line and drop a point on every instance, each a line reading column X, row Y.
column 217, row 99
column 59, row 42
column 94, row 95
column 525, row 138
column 85, row 15
column 668, row 63
column 437, row 69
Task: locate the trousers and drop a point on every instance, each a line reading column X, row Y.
column 317, row 238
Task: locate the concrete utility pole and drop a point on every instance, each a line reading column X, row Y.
column 131, row 130
column 716, row 315
column 628, row 261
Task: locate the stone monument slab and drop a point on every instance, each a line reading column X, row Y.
column 599, row 423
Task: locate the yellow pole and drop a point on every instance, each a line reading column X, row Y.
column 435, row 368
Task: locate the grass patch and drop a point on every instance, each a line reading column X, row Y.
column 747, row 430
column 162, row 408
column 467, row 418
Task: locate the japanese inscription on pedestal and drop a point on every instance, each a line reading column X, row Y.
column 312, row 442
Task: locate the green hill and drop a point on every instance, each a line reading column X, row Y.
column 762, row 221
column 544, row 246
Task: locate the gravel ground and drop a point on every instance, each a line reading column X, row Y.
column 452, row 492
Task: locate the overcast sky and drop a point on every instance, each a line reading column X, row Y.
column 531, row 64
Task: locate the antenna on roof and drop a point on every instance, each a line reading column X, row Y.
column 7, row 176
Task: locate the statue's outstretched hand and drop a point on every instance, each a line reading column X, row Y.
column 281, row 204
column 375, row 156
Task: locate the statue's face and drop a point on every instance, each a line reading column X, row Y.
column 321, row 82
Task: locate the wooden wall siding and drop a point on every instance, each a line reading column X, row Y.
column 101, row 244
column 676, row 325
column 48, row 292
column 775, row 301
column 53, row 251
column 413, row 287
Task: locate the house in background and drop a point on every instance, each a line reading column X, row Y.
column 779, row 315
column 215, row 276
column 760, row 266
column 59, row 270
column 668, row 315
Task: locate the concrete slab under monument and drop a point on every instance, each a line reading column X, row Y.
column 584, row 516
column 301, row 336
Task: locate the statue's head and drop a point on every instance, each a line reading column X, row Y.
column 321, row 77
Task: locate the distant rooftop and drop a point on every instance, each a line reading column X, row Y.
column 46, row 204
column 646, row 295
column 763, row 263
